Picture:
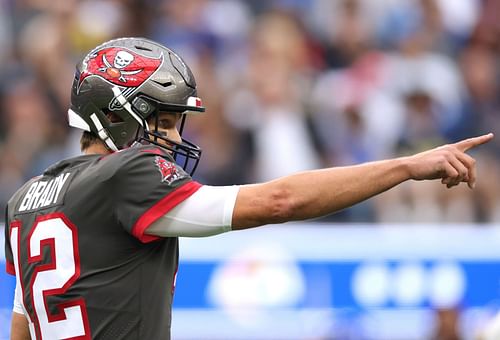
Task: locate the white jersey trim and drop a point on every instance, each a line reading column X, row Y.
column 207, row 212
column 18, row 305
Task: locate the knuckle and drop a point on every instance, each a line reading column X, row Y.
column 449, row 154
column 442, row 160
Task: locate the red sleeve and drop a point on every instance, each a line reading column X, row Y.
column 167, row 203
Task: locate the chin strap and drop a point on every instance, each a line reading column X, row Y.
column 102, row 133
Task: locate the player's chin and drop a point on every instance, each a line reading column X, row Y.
column 169, row 148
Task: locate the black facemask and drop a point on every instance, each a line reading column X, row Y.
column 186, row 154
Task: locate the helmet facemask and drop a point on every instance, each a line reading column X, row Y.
column 186, row 153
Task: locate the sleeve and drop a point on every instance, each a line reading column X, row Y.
column 148, row 184
column 209, row 211
column 9, row 259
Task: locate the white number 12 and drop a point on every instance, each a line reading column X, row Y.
column 55, row 277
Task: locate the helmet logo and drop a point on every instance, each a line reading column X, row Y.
column 123, row 59
column 168, row 170
column 119, row 66
column 117, row 70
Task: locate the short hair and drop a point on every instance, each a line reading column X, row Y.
column 88, row 139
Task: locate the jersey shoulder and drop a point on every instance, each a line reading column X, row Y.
column 138, row 150
column 145, row 160
column 15, row 198
column 48, row 189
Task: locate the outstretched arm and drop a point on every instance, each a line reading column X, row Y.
column 316, row 193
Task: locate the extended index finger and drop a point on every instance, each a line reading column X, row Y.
column 469, row 143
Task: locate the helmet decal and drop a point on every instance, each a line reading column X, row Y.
column 119, row 66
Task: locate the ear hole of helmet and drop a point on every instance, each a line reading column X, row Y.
column 112, row 116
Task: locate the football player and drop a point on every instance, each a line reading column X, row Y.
column 93, row 241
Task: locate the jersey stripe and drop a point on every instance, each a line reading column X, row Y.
column 161, row 208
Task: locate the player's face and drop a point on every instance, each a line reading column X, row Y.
column 167, row 126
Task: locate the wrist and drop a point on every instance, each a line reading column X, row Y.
column 404, row 165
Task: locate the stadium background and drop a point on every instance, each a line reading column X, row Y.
column 293, row 85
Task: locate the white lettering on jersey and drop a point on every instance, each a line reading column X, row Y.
column 43, row 193
column 27, row 198
column 60, row 180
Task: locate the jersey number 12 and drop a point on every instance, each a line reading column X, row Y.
column 55, row 277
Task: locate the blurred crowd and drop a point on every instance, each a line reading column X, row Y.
column 289, row 85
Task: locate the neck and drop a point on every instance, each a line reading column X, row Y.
column 96, row 148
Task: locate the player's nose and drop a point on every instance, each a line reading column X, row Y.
column 173, row 134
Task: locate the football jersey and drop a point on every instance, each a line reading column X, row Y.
column 76, row 238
